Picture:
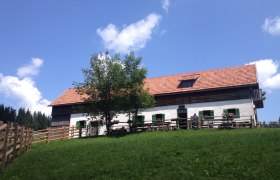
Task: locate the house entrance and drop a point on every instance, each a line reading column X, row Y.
column 182, row 114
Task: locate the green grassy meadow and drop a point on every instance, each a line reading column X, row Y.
column 202, row 154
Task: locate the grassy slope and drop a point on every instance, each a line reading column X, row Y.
column 251, row 153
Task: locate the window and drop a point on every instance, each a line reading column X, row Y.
column 186, row 83
column 138, row 119
column 207, row 114
column 81, row 124
column 181, row 107
column 158, row 118
column 236, row 112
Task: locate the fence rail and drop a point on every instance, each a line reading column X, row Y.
column 14, row 140
column 198, row 123
column 52, row 134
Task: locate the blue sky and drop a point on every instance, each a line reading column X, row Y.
column 45, row 44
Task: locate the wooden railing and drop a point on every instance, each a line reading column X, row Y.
column 190, row 123
column 14, row 140
column 217, row 121
column 52, row 134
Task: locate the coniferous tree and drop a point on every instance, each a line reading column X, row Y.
column 7, row 114
column 37, row 120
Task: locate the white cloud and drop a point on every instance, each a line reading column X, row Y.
column 23, row 88
column 31, row 69
column 165, row 5
column 268, row 74
column 132, row 37
column 272, row 26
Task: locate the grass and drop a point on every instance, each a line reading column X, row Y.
column 203, row 154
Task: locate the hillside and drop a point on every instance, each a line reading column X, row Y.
column 243, row 153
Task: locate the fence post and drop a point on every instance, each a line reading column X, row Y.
column 10, row 137
column 252, row 122
column 26, row 139
column 20, row 138
column 80, row 132
column 11, row 130
column 62, row 129
column 4, row 150
column 30, row 138
column 15, row 141
column 48, row 135
column 72, row 132
column 199, row 123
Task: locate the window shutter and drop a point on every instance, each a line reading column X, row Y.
column 143, row 119
column 133, row 119
column 212, row 114
column 85, row 124
column 78, row 123
column 237, row 113
column 154, row 118
column 226, row 112
column 163, row 117
column 200, row 114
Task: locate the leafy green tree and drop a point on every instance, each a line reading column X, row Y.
column 136, row 96
column 112, row 86
column 102, row 85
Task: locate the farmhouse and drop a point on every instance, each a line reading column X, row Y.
column 209, row 94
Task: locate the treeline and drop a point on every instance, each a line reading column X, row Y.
column 36, row 120
column 271, row 124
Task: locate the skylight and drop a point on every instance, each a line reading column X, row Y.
column 186, row 83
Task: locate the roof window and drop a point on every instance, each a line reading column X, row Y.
column 186, row 83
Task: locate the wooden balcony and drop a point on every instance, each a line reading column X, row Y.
column 258, row 96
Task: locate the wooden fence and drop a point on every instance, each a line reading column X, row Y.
column 14, row 140
column 189, row 123
column 52, row 134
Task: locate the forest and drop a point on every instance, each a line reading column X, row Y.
column 35, row 120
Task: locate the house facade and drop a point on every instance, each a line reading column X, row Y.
column 208, row 94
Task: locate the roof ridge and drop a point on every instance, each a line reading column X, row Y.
column 199, row 72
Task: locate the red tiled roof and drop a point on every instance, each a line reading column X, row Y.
column 69, row 96
column 205, row 80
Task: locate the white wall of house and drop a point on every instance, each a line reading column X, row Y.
column 246, row 108
column 82, row 117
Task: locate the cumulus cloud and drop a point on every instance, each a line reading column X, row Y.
column 132, row 37
column 272, row 26
column 165, row 5
column 268, row 74
column 22, row 88
column 31, row 69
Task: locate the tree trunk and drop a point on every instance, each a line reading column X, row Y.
column 135, row 123
column 108, row 123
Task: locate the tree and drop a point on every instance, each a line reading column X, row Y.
column 102, row 85
column 36, row 121
column 7, row 114
column 112, row 86
column 136, row 96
